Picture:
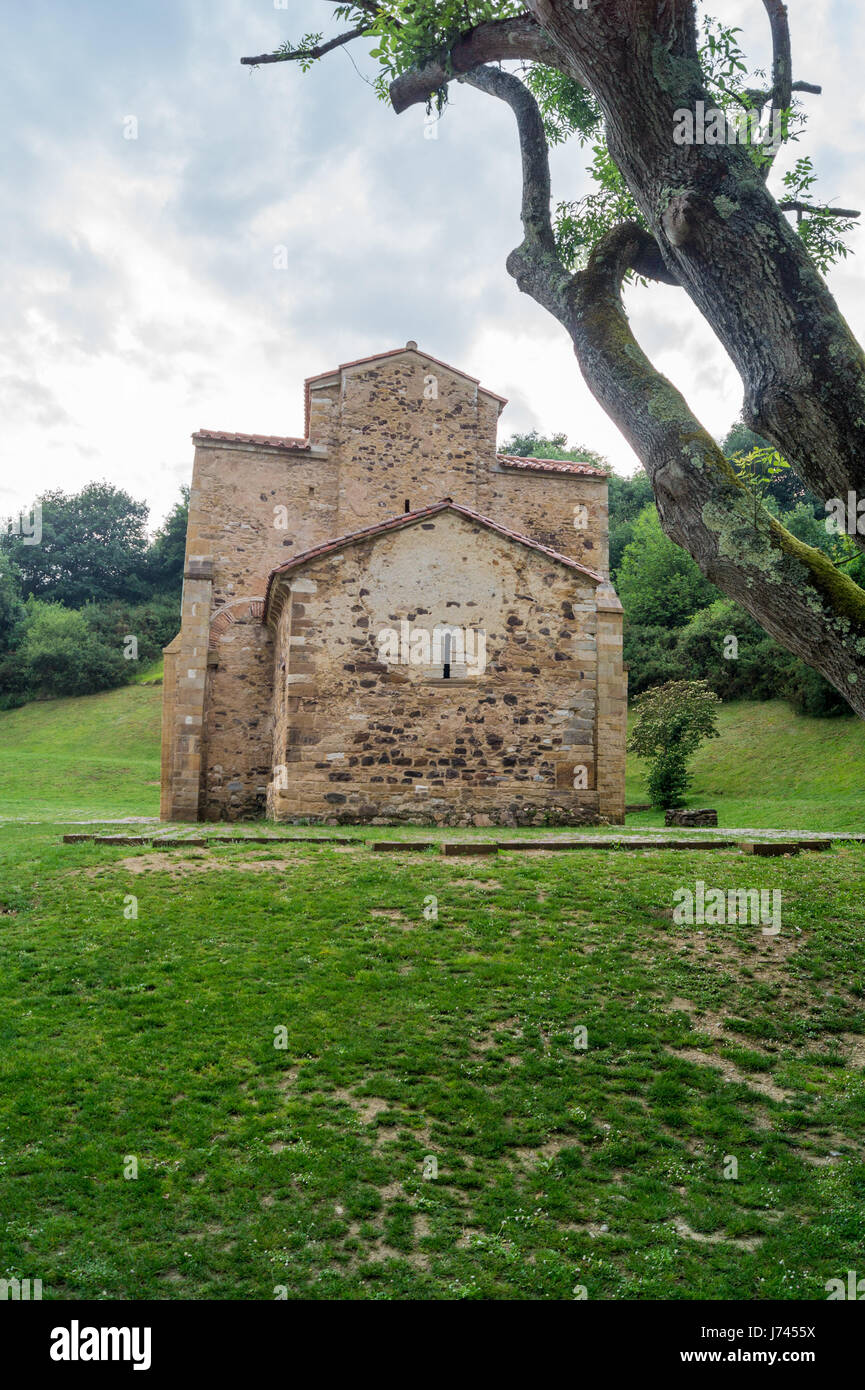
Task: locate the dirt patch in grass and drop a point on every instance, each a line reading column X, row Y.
column 491, row 1036
column 486, row 884
column 715, row 1238
column 551, row 1149
column 730, row 1072
column 367, row 1107
column 188, row 862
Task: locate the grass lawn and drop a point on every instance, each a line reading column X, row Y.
column 408, row 1040
column 97, row 755
column 326, row 1091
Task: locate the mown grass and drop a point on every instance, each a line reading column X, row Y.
column 773, row 768
column 406, row 1039
column 97, row 755
column 143, row 990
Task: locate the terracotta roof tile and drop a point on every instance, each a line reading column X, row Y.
column 407, row 519
column 274, row 441
column 551, row 465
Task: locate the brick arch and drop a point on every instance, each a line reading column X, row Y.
column 245, row 610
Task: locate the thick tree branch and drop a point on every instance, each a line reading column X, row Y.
column 791, row 589
column 493, row 42
column 534, row 152
column 535, row 264
column 782, row 77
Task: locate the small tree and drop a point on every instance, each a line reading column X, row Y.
column 672, row 721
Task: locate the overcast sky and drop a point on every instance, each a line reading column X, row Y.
column 141, row 296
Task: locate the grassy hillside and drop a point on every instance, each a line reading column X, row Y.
column 99, row 756
column 771, row 767
column 93, row 756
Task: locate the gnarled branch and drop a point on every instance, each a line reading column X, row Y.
column 496, row 41
column 791, row 589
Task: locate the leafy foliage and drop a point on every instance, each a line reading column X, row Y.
column 553, row 446
column 61, row 655
column 408, row 34
column 93, row 547
column 658, row 582
column 672, row 721
column 69, row 603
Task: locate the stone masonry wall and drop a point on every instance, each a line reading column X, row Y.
column 400, row 428
column 355, row 739
column 405, row 429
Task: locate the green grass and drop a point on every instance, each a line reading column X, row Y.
column 142, row 994
column 97, row 755
column 153, row 1038
column 773, row 768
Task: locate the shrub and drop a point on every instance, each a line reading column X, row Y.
column 672, row 721
column 61, row 655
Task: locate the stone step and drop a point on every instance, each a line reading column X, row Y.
column 172, row 842
column 398, row 846
column 769, row 849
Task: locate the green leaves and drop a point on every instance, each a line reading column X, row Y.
column 672, row 722
column 567, row 108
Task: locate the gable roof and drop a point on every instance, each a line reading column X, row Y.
column 410, row 346
column 551, row 465
column 396, row 523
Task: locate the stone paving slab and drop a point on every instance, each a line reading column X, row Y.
column 778, row 843
column 469, row 847
column 396, row 846
column 611, row 842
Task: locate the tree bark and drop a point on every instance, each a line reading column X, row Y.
column 723, row 235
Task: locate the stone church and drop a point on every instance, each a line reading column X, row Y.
column 387, row 621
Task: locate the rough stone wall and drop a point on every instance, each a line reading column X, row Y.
column 405, row 429
column 356, row 739
column 400, row 428
column 238, row 722
column 214, row 716
column 251, row 507
column 565, row 511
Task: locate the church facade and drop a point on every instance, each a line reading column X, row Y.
column 386, row 621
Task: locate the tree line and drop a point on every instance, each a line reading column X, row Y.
column 87, row 598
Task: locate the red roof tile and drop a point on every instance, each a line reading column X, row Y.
column 274, row 441
column 409, row 518
column 551, row 465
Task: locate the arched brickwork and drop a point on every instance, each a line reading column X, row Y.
column 247, row 610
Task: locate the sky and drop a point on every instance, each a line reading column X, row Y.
column 186, row 239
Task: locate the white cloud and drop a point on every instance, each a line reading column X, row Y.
column 141, row 299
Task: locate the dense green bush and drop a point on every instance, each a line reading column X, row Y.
column 60, row 654
column 70, row 604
